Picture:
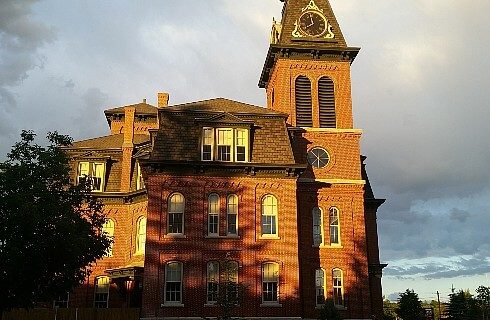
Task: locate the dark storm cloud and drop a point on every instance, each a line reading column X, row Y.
column 20, row 39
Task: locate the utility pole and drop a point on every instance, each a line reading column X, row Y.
column 439, row 304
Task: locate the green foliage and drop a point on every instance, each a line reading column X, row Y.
column 389, row 310
column 329, row 311
column 49, row 229
column 462, row 306
column 409, row 306
column 483, row 301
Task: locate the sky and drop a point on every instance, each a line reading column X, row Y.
column 420, row 93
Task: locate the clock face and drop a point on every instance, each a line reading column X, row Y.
column 318, row 157
column 312, row 23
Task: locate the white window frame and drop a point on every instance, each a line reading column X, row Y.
column 182, row 213
column 230, row 276
column 91, row 173
column 231, row 210
column 140, row 235
column 212, row 269
column 109, row 228
column 269, row 210
column 334, row 225
column 338, row 288
column 318, row 233
column 205, row 144
column 181, row 271
column 140, row 183
column 229, row 134
column 213, row 214
column 65, row 303
column 320, row 286
column 270, row 279
column 245, row 145
column 234, row 140
column 97, row 286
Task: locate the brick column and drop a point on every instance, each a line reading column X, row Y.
column 127, row 148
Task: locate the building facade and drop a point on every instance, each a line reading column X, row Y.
column 220, row 206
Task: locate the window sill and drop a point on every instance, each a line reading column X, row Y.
column 222, row 237
column 271, row 304
column 335, row 246
column 267, row 237
column 210, row 304
column 174, row 235
column 138, row 254
column 172, row 305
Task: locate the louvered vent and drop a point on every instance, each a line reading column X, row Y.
column 303, row 102
column 326, row 101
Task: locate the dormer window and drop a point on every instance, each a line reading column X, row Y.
column 94, row 172
column 225, row 144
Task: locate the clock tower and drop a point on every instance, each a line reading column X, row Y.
column 307, row 76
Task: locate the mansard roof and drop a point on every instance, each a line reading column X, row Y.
column 114, row 141
column 142, row 108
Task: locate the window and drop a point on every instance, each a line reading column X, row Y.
column 232, row 215
column 318, row 157
column 269, row 216
column 101, row 297
column 173, row 283
column 303, row 102
column 108, row 229
column 212, row 280
column 338, row 287
column 176, row 204
column 320, row 286
column 93, row 172
column 62, row 301
column 326, row 103
column 225, row 144
column 140, row 183
column 334, row 226
column 270, row 282
column 317, row 227
column 213, row 215
column 140, row 235
column 230, row 276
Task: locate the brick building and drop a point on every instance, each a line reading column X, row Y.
column 273, row 202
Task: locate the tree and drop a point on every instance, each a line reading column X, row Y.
column 409, row 306
column 389, row 310
column 462, row 306
column 49, row 229
column 329, row 311
column 483, row 301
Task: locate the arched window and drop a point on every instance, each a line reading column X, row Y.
column 334, row 226
column 108, row 229
column 338, row 287
column 101, row 292
column 303, row 102
column 320, row 286
column 213, row 215
column 212, row 280
column 270, row 282
column 230, row 276
column 317, row 227
column 140, row 235
column 326, row 103
column 232, row 214
column 173, row 283
column 269, row 216
column 176, row 205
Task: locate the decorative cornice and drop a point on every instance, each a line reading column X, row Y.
column 333, row 181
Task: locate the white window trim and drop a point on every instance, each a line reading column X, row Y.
column 108, row 290
column 322, row 230
column 276, row 216
column 174, row 303
column 247, row 143
column 139, row 249
column 271, row 303
column 234, row 145
column 216, row 214
column 236, row 234
column 110, row 250
column 175, row 234
column 208, row 302
column 212, row 143
column 339, row 242
column 140, row 184
column 341, row 287
column 91, row 168
column 324, row 287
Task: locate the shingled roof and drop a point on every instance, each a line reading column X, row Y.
column 142, row 108
column 114, row 141
column 224, row 105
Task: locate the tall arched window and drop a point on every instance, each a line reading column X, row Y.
column 338, row 287
column 212, row 280
column 269, row 216
column 230, row 276
column 334, row 226
column 303, row 102
column 101, row 292
column 326, row 103
column 173, row 283
column 232, row 214
column 317, row 227
column 213, row 215
column 320, row 286
column 176, row 205
column 140, row 235
column 108, row 229
column 270, row 282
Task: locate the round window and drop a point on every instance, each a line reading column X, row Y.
column 318, row 157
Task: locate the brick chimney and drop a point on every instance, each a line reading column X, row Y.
column 127, row 148
column 163, row 99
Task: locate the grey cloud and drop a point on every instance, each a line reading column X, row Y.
column 459, row 215
column 20, row 39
